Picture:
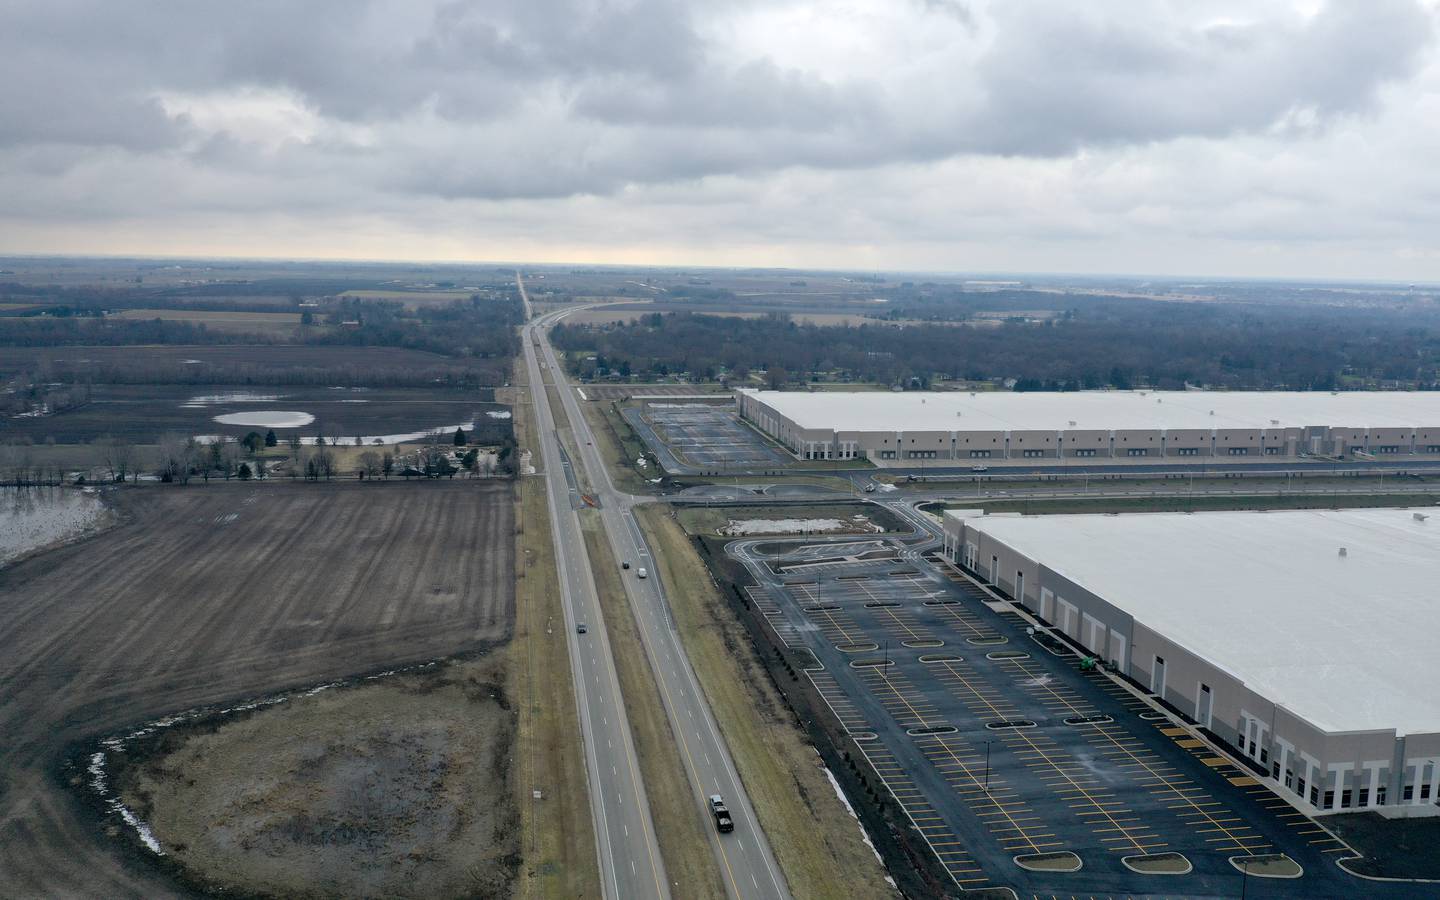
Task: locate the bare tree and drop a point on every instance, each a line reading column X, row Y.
column 118, row 456
column 230, row 453
column 179, row 456
column 370, row 463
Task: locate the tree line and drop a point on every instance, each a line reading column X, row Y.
column 1118, row 344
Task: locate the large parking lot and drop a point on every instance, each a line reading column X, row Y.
column 1008, row 757
column 702, row 437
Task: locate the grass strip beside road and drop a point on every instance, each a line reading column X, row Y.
column 618, row 446
column 815, row 840
column 558, row 834
column 679, row 820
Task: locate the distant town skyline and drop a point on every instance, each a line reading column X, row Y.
column 1281, row 139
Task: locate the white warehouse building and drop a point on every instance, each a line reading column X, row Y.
column 1304, row 639
column 1000, row 427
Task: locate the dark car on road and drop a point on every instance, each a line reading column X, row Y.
column 723, row 823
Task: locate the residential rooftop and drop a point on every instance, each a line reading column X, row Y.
column 1348, row 641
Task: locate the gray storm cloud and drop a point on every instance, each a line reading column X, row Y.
column 364, row 104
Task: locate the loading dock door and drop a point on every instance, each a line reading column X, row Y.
column 1067, row 619
column 1117, row 652
column 1094, row 633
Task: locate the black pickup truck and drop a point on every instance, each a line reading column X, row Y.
column 723, row 822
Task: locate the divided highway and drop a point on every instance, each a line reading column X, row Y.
column 630, row 863
column 745, row 859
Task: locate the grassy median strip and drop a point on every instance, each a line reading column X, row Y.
column 558, row 847
column 815, row 840
column 618, row 445
column 679, row 821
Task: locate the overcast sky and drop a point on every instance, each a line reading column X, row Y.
column 1243, row 138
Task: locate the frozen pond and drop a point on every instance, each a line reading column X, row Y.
column 31, row 518
column 267, row 418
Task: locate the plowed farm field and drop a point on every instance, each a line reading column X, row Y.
column 217, row 594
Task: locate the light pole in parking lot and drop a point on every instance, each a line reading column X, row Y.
column 987, row 767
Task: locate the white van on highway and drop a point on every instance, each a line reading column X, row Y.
column 641, row 572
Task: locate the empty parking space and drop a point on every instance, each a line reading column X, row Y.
column 704, row 436
column 1007, row 756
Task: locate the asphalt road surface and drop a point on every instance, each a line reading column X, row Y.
column 744, row 856
column 630, row 863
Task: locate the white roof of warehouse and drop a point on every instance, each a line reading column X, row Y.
column 1100, row 410
column 1348, row 643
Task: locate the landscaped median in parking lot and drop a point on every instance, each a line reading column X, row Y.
column 815, row 839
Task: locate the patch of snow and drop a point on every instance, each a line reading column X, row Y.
column 192, row 362
column 268, row 418
column 581, row 392
column 31, row 518
column 864, row 835
column 444, row 431
column 203, row 400
column 887, row 487
column 787, row 526
column 98, row 785
column 498, row 414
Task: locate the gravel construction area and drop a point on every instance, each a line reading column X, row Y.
column 396, row 787
column 212, row 594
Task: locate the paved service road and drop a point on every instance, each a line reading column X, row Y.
column 745, row 860
column 630, row 864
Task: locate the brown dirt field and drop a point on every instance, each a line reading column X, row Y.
column 278, row 323
column 214, row 593
column 398, row 787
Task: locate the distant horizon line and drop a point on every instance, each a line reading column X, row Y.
column 522, row 264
